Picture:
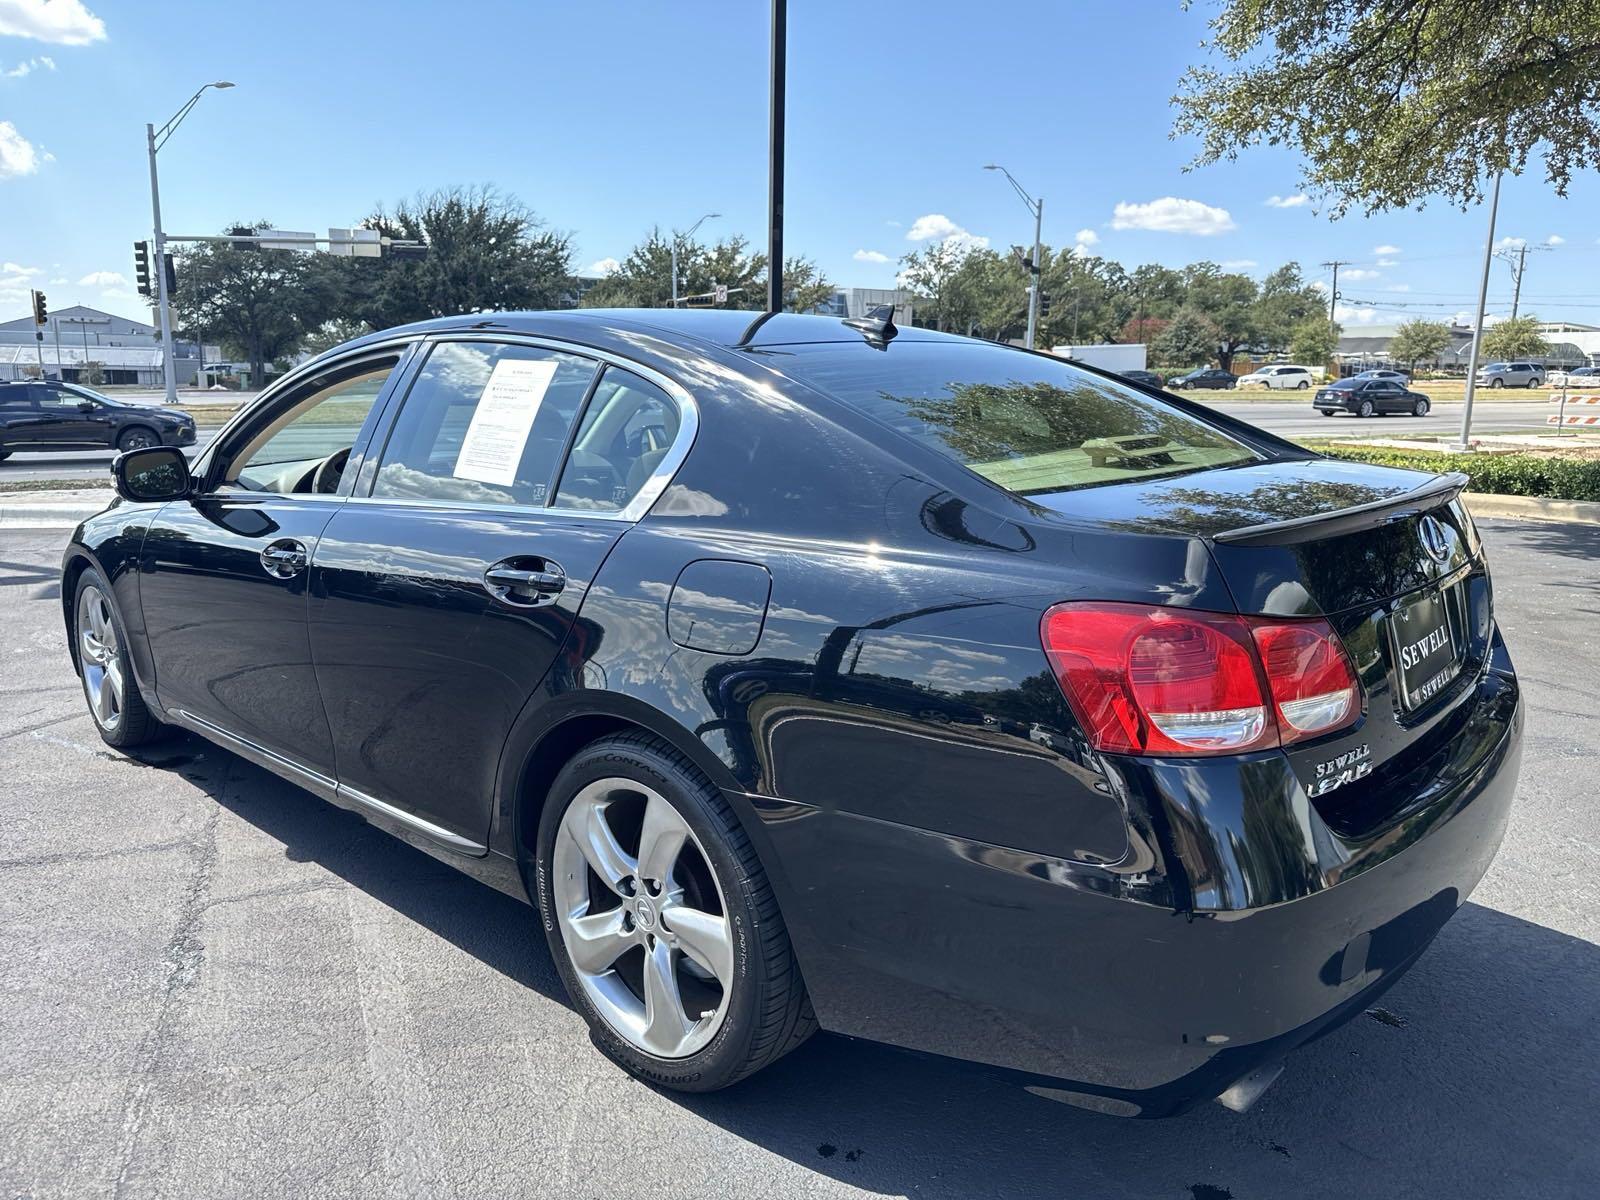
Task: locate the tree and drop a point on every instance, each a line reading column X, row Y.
column 1191, row 337
column 1419, row 340
column 1515, row 337
column 1390, row 101
column 1142, row 329
column 932, row 274
column 1285, row 304
column 333, row 333
column 259, row 303
column 1313, row 341
column 805, row 287
column 1229, row 300
column 486, row 252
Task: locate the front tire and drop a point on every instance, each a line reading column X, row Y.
column 1420, row 409
column 661, row 921
column 1494, row 383
column 101, row 642
column 137, row 438
column 1366, row 409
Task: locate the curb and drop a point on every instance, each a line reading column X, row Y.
column 1532, row 508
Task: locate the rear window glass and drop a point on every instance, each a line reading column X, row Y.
column 1025, row 422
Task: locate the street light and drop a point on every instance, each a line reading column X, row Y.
column 676, row 237
column 154, row 140
column 1477, row 329
column 1036, row 207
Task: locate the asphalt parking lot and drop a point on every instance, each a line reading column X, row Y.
column 212, row 984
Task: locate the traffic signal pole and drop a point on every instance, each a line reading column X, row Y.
column 163, row 300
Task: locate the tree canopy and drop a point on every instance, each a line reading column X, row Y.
column 1419, row 340
column 1392, row 101
column 644, row 277
column 1515, row 337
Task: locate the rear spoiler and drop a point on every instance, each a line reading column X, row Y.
column 1435, row 493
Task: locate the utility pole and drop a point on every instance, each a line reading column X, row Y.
column 780, row 50
column 1517, row 259
column 1036, row 267
column 1477, row 329
column 1333, row 296
column 675, row 240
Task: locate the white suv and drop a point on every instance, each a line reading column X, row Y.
column 1281, row 376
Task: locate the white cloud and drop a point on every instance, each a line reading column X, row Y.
column 940, row 228
column 1357, row 274
column 1387, row 262
column 1239, row 264
column 103, row 279
column 1172, row 215
column 1084, row 242
column 1385, row 250
column 932, row 225
column 1555, row 239
column 1346, row 315
column 12, row 268
column 63, row 22
column 603, row 266
column 17, row 153
column 23, row 69
column 1320, row 285
column 870, row 256
column 1294, row 201
column 1510, row 243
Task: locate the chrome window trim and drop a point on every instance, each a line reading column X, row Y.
column 643, row 501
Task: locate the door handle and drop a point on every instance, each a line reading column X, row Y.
column 526, row 587
column 284, row 558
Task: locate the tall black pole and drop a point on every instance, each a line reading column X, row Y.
column 780, row 23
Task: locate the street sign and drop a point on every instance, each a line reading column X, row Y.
column 355, row 243
column 287, row 239
column 722, row 293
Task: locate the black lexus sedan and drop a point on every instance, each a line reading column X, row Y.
column 1213, row 378
column 49, row 415
column 1365, row 397
column 804, row 672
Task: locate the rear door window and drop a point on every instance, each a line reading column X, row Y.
column 628, row 427
column 1028, row 422
column 484, row 422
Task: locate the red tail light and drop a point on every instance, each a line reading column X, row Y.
column 1156, row 680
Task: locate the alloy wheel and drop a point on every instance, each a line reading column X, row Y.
column 643, row 917
column 137, row 440
column 103, row 681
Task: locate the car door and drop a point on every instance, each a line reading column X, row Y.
column 62, row 420
column 19, row 416
column 444, row 590
column 224, row 573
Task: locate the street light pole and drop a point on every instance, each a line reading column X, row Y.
column 675, row 239
column 154, row 140
column 1477, row 330
column 1036, row 207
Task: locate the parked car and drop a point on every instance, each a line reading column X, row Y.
column 814, row 672
column 1369, row 398
column 1205, row 377
column 1511, row 374
column 1281, row 376
column 1148, row 378
column 49, row 415
column 1576, row 377
column 1399, row 377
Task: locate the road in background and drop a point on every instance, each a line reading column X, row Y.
column 216, row 985
column 1297, row 419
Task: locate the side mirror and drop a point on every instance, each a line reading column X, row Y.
column 152, row 475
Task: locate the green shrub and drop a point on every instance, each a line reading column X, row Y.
column 1503, row 474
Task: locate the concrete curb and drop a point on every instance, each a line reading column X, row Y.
column 1533, row 508
column 62, row 512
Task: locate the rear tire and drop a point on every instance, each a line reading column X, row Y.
column 100, row 642
column 1303, row 384
column 634, row 929
column 1327, row 412
column 4, row 454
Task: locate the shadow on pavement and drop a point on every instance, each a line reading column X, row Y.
column 1477, row 1076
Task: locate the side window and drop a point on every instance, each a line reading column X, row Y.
column 322, row 419
column 16, row 397
column 484, row 423
column 54, row 400
column 627, row 429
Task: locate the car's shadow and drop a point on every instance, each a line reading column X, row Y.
column 1477, row 1076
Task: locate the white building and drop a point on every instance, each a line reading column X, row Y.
column 127, row 351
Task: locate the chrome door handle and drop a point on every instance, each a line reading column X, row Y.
column 284, row 558
column 527, row 587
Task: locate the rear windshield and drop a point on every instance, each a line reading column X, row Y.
column 1026, row 422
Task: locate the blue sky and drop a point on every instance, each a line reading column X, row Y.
column 609, row 116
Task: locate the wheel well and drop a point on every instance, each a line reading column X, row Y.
column 127, row 429
column 544, row 763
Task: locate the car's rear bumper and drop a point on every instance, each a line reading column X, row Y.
column 1276, row 928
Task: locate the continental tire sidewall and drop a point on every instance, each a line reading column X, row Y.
column 724, row 1059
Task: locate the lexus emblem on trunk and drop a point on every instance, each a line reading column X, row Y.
column 1434, row 539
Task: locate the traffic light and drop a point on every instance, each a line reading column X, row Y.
column 1044, row 304
column 40, row 312
column 171, row 273
column 141, row 267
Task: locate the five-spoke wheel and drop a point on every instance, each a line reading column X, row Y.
column 103, row 681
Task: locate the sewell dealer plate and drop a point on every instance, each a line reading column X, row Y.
column 1427, row 653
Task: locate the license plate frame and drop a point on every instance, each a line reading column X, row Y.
column 1425, row 644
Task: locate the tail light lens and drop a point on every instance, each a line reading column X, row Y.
column 1156, row 680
